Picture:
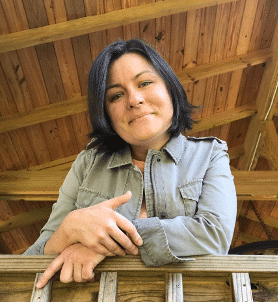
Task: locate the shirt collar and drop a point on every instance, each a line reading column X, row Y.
column 174, row 148
column 120, row 158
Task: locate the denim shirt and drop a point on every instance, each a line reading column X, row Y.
column 189, row 192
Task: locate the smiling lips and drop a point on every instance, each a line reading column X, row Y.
column 139, row 116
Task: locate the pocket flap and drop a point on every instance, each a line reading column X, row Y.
column 192, row 190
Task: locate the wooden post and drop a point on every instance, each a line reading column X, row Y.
column 42, row 294
column 241, row 287
column 174, row 287
column 108, row 287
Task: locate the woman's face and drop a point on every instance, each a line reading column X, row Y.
column 138, row 102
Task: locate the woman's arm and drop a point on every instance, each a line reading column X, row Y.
column 209, row 231
column 98, row 227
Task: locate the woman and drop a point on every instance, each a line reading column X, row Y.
column 140, row 186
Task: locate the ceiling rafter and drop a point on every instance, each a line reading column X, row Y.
column 77, row 105
column 100, row 22
column 23, row 219
column 269, row 144
column 266, row 104
column 44, row 185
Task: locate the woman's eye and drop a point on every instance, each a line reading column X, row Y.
column 116, row 97
column 145, row 83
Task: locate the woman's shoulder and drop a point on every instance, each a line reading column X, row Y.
column 209, row 141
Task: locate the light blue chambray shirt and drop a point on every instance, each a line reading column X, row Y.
column 189, row 192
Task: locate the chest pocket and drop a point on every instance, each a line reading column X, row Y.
column 190, row 194
column 87, row 197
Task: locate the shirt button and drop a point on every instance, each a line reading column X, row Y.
column 158, row 159
column 162, row 215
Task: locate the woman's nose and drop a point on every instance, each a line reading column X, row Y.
column 135, row 99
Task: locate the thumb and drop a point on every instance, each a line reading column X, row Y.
column 117, row 201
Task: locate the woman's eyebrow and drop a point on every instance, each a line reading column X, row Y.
column 136, row 76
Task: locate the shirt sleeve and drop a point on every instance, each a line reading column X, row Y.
column 209, row 231
column 65, row 204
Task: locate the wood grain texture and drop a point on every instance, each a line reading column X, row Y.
column 201, row 266
column 241, row 286
column 86, row 25
column 42, row 294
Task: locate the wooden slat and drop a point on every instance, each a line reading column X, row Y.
column 91, row 24
column 77, row 105
column 174, row 287
column 108, row 287
column 241, row 287
column 42, row 294
column 202, row 265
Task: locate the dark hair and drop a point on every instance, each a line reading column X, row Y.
column 103, row 133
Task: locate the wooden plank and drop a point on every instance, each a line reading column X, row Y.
column 26, row 218
column 43, row 114
column 79, row 104
column 108, row 287
column 265, row 265
column 222, row 118
column 91, row 24
column 224, row 66
column 174, row 287
column 241, row 287
column 42, row 294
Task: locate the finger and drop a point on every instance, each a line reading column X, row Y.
column 77, row 272
column 87, row 272
column 124, row 241
column 124, row 224
column 117, row 201
column 112, row 246
column 66, row 275
column 54, row 267
column 103, row 250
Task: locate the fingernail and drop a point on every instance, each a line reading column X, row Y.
column 38, row 285
column 139, row 241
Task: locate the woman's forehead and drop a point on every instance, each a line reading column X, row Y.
column 130, row 64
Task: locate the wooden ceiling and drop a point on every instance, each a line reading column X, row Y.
column 224, row 52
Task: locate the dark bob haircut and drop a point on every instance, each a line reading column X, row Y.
column 103, row 134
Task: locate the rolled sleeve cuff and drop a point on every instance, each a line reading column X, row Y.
column 155, row 250
column 38, row 247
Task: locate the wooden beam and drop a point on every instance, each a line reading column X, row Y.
column 41, row 185
column 266, row 104
column 43, row 114
column 227, row 65
column 77, row 105
column 4, row 248
column 62, row 164
column 202, row 266
column 249, row 238
column 26, row 218
column 223, row 118
column 268, row 220
column 81, row 26
column 269, row 145
column 276, row 111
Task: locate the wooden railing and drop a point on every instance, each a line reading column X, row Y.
column 235, row 271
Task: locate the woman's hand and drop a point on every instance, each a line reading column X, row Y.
column 77, row 262
column 98, row 227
